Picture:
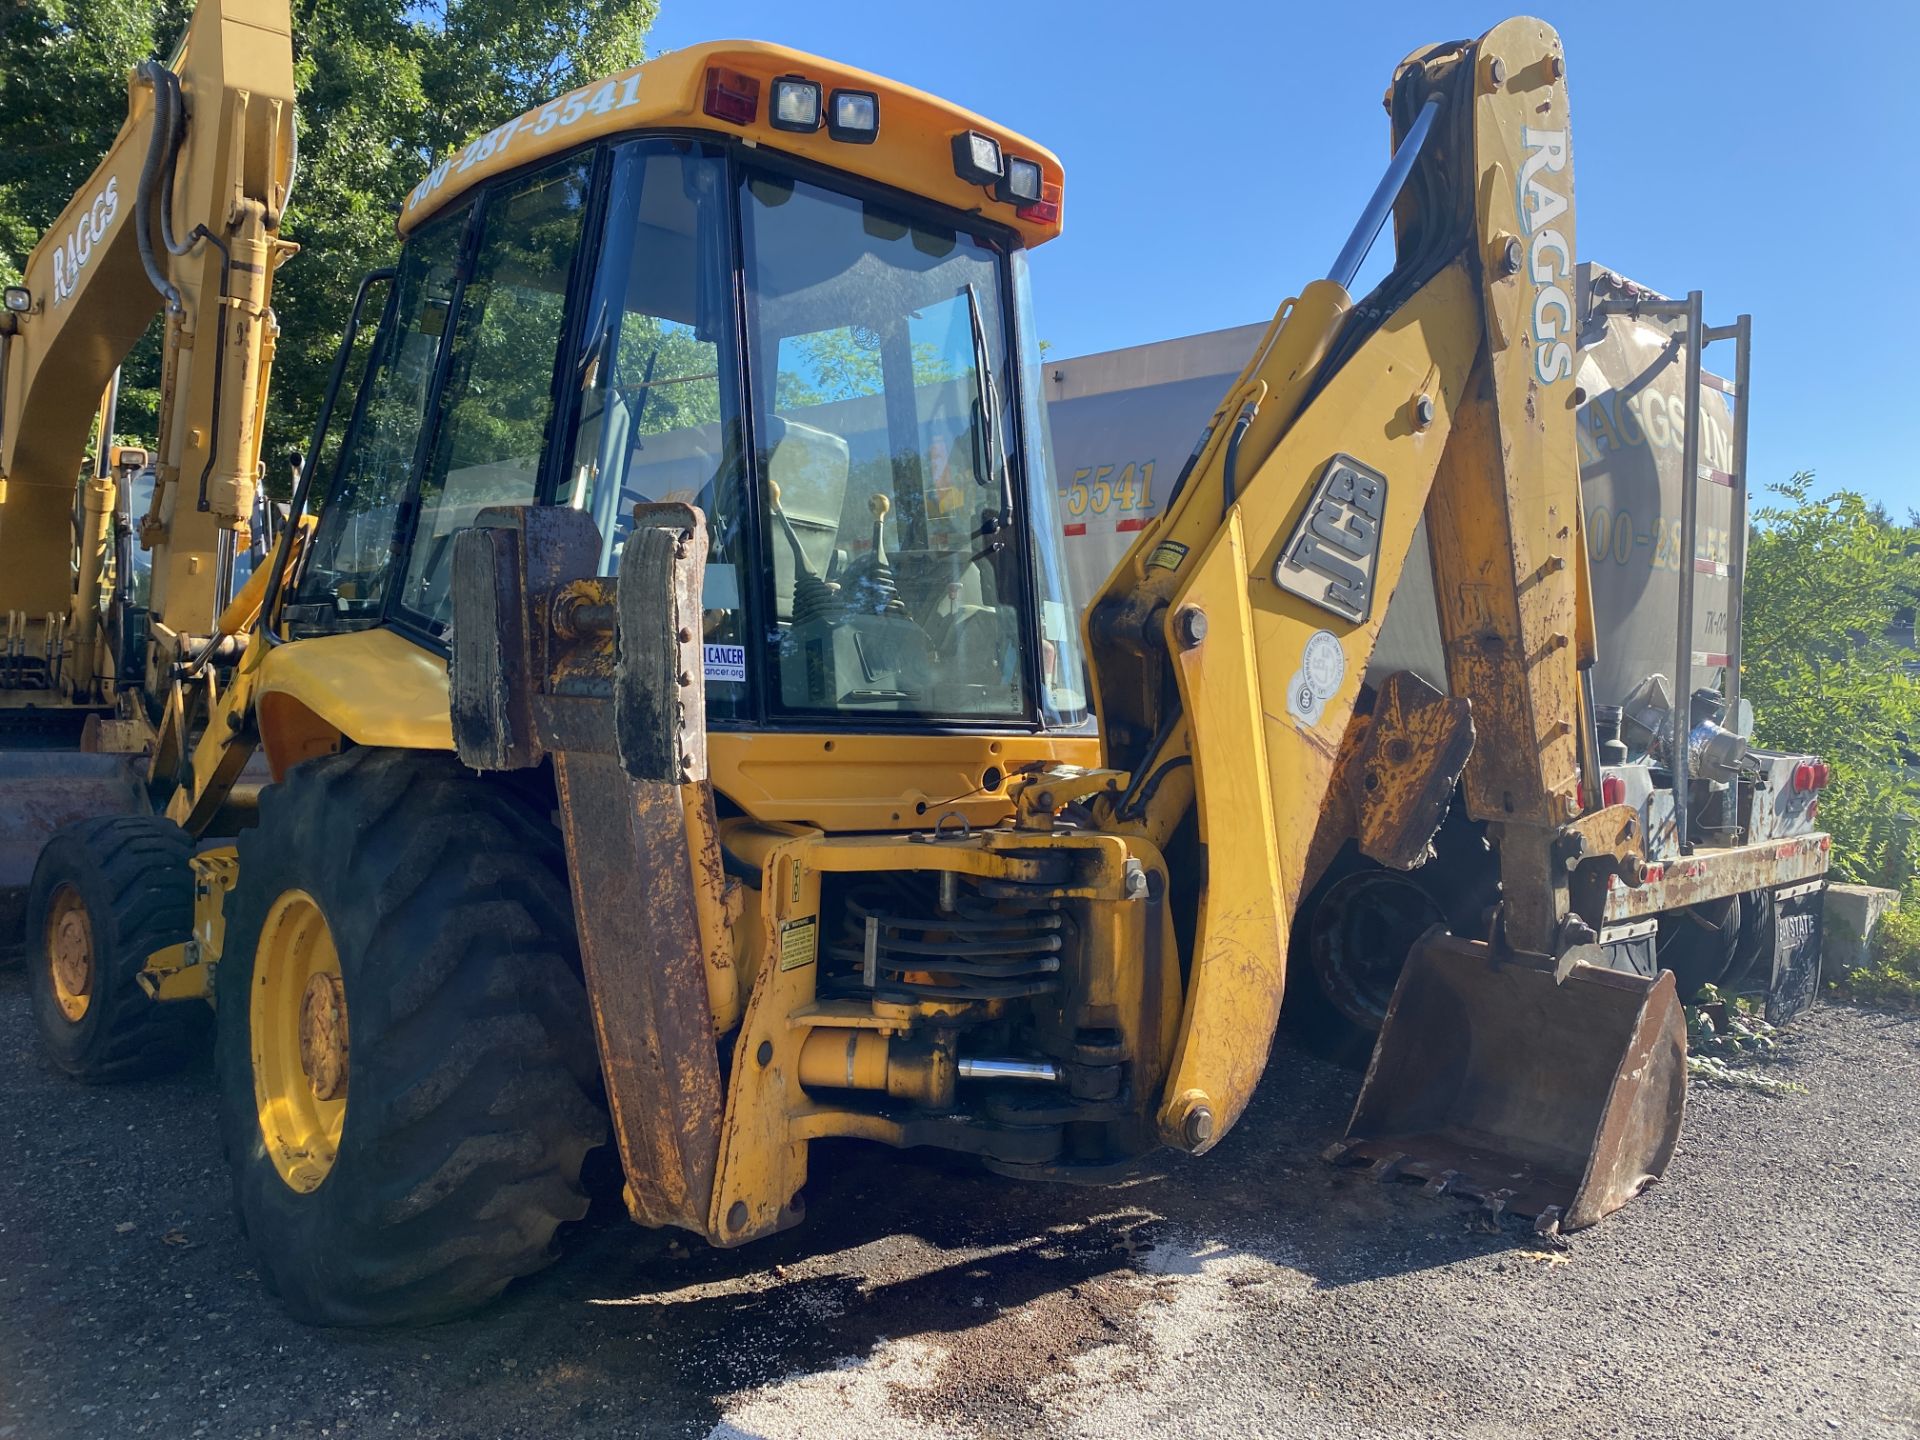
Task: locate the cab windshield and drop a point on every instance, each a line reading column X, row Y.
column 883, row 413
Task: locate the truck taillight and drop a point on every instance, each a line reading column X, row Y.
column 1811, row 775
column 731, row 95
column 1613, row 790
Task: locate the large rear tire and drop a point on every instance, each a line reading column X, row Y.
column 106, row 894
column 1349, row 943
column 1700, row 943
column 408, row 1074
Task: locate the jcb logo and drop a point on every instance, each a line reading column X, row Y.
column 1549, row 252
column 1335, row 549
column 71, row 255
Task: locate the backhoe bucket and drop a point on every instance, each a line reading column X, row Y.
column 1552, row 1090
column 40, row 791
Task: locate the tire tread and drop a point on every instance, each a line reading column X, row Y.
column 462, row 1155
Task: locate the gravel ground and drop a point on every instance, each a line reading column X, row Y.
column 1769, row 1286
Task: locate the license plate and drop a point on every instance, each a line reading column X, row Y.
column 1796, row 951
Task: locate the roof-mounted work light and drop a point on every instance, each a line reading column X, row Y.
column 1021, row 183
column 976, row 158
column 854, row 116
column 796, row 104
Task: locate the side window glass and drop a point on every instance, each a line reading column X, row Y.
column 345, row 574
column 498, row 398
column 658, row 418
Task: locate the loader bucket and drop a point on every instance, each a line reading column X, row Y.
column 40, row 791
column 1550, row 1090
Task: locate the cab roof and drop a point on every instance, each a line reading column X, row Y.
column 913, row 150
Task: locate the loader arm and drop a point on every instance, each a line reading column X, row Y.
column 182, row 217
column 1228, row 648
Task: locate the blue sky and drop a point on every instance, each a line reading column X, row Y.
column 1216, row 154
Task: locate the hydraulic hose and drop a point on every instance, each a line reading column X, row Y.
column 162, row 160
column 162, row 150
column 177, row 127
column 1230, row 475
column 219, row 356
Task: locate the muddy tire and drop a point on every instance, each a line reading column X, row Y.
column 106, row 894
column 408, row 1076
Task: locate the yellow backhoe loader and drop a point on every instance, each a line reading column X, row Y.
column 675, row 724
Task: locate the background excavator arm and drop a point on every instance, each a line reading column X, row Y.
column 183, row 215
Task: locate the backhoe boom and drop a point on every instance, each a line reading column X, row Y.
column 1228, row 648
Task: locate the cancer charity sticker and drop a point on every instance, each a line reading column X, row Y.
column 727, row 662
column 1323, row 665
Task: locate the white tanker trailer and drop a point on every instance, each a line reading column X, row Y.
column 1123, row 425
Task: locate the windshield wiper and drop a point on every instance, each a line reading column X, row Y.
column 987, row 406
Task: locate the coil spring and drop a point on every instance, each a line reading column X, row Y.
column 973, row 951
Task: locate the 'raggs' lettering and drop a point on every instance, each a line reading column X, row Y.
column 71, row 255
column 1549, row 253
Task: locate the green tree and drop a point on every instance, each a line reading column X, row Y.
column 385, row 87
column 1826, row 580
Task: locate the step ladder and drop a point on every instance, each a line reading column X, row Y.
column 1692, row 336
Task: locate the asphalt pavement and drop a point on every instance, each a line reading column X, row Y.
column 1769, row 1286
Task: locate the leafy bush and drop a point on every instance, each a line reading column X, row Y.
column 1826, row 579
column 1829, row 583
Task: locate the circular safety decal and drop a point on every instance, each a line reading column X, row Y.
column 1323, row 665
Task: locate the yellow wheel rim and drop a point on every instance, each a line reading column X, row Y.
column 298, row 1020
column 69, row 951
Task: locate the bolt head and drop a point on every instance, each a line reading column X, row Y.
column 1190, row 625
column 1423, row 411
column 1510, row 256
column 1198, row 1126
column 1497, row 71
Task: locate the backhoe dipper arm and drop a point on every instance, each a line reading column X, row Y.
column 182, row 214
column 1229, row 646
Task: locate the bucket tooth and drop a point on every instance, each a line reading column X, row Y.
column 1555, row 1088
column 1387, row 1167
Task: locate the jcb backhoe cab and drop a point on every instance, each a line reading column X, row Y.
column 675, row 714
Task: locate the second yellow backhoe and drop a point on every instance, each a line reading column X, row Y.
column 668, row 719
